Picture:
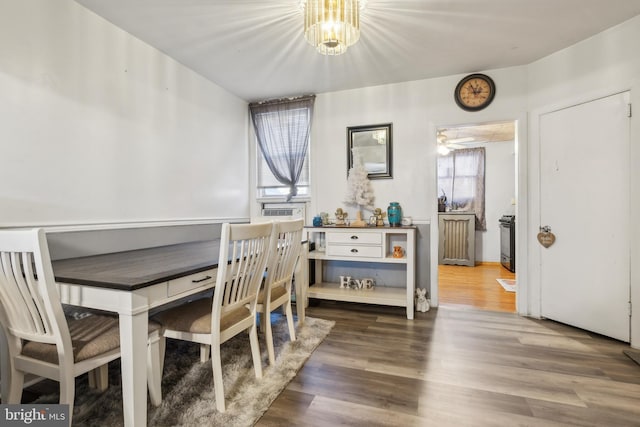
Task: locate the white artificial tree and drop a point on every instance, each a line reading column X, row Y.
column 359, row 191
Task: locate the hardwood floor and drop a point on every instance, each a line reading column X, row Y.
column 457, row 366
column 476, row 287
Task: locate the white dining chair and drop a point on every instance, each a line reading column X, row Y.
column 281, row 267
column 244, row 250
column 40, row 339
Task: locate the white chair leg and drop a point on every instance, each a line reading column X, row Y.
column 289, row 313
column 15, row 386
column 260, row 322
column 216, row 365
column 67, row 390
column 99, row 378
column 269, row 339
column 92, row 377
column 255, row 351
column 162, row 346
column 14, row 376
column 205, row 352
column 154, row 372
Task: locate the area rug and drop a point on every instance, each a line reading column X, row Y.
column 187, row 384
column 509, row 285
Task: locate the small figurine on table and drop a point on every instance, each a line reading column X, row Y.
column 325, row 218
column 379, row 214
column 341, row 216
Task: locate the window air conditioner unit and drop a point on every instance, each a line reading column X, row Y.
column 287, row 210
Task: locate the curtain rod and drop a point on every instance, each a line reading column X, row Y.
column 282, row 100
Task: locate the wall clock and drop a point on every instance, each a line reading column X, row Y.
column 475, row 92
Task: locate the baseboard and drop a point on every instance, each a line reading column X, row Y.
column 633, row 355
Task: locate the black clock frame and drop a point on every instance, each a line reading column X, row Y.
column 489, row 80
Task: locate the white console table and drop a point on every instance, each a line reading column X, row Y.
column 368, row 245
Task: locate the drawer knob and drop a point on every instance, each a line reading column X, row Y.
column 355, row 251
column 354, row 237
column 201, row 280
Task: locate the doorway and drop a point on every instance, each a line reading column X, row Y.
column 487, row 284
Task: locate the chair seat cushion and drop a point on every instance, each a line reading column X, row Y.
column 195, row 317
column 276, row 293
column 90, row 336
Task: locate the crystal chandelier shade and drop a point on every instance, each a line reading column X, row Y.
column 331, row 26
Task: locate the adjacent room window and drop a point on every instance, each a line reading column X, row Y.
column 461, row 180
column 283, row 130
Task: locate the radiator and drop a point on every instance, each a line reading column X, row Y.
column 457, row 239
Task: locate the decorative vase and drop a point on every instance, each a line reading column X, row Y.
column 394, row 213
column 317, row 221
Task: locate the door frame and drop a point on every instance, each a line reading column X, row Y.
column 521, row 160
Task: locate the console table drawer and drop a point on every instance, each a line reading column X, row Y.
column 183, row 284
column 354, row 238
column 355, row 251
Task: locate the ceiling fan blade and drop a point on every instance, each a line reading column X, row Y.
column 454, row 146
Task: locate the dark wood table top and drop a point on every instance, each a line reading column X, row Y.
column 135, row 269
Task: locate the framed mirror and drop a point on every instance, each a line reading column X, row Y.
column 372, row 145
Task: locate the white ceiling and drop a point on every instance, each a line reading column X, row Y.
column 256, row 49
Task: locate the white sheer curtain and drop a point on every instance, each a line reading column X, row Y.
column 282, row 128
column 461, row 180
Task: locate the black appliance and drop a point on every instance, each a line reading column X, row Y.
column 508, row 242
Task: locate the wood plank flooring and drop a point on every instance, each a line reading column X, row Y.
column 457, row 366
column 476, row 287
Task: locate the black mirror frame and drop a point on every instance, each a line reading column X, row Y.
column 388, row 127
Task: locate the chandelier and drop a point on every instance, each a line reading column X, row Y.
column 331, row 26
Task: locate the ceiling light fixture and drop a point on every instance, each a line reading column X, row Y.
column 331, row 26
column 443, row 150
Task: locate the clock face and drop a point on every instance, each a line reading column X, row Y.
column 475, row 92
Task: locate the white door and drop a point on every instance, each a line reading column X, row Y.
column 584, row 191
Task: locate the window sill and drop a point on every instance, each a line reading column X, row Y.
column 283, row 199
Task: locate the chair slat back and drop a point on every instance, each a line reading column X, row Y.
column 285, row 253
column 29, row 302
column 244, row 250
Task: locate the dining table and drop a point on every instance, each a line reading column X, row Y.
column 134, row 282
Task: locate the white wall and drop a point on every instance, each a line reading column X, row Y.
column 98, row 127
column 605, row 64
column 500, row 190
column 416, row 110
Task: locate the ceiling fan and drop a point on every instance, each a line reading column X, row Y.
column 445, row 145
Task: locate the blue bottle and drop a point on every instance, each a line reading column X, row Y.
column 317, row 221
column 394, row 213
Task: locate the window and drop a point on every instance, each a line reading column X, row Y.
column 282, row 131
column 268, row 185
column 461, row 180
